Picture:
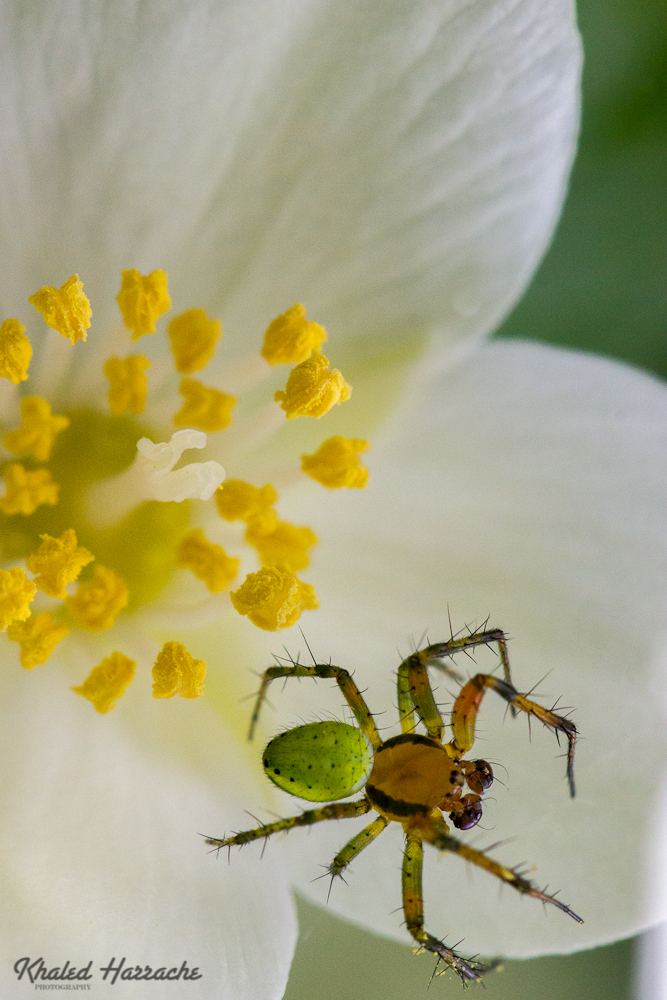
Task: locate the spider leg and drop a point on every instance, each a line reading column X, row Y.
column 414, row 693
column 484, row 637
column 413, row 909
column 356, row 846
column 470, row 698
column 336, row 810
column 350, row 691
column 414, row 690
column 435, row 832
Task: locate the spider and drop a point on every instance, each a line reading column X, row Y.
column 411, row 779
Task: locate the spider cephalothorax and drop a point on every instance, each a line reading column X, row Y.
column 411, row 779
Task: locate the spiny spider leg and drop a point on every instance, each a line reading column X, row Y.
column 344, row 680
column 470, row 698
column 413, row 685
column 413, row 691
column 413, row 908
column 355, row 846
column 336, row 810
column 435, row 832
column 441, row 650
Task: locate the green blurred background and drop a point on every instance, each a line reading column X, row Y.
column 602, row 287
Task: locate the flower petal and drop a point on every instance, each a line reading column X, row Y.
column 651, row 965
column 397, row 167
column 528, row 485
column 100, row 847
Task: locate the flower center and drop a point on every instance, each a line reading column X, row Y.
column 140, row 547
column 102, row 511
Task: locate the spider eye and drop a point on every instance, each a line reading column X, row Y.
column 471, row 814
column 481, row 778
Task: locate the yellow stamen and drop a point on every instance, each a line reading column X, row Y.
column 208, row 562
column 336, row 463
column 127, row 383
column 15, row 351
column 313, row 388
column 291, row 338
column 193, row 338
column 98, row 600
column 26, row 491
column 65, row 309
column 113, row 493
column 273, row 598
column 176, row 672
column 57, row 562
column 16, row 593
column 240, row 501
column 142, row 299
column 37, row 637
column 206, row 408
column 287, row 545
column 38, row 430
column 107, row 682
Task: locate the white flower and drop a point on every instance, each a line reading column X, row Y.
column 399, row 168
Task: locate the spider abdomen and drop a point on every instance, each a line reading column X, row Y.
column 320, row 762
column 411, row 774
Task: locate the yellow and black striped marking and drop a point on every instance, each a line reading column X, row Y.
column 412, row 774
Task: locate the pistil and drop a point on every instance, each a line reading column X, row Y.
column 152, row 477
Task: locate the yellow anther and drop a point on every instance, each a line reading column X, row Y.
column 291, row 338
column 142, row 299
column 208, row 562
column 16, row 593
column 37, row 637
column 239, row 501
column 193, row 338
column 26, row 491
column 287, row 545
column 38, row 430
column 15, row 351
column 65, row 309
column 127, row 383
column 107, row 682
column 176, row 672
column 205, row 408
column 273, row 598
column 57, row 562
column 336, row 463
column 313, row 388
column 98, row 600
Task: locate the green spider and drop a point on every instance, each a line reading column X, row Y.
column 409, row 779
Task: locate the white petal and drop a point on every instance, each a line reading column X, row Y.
column 102, row 857
column 529, row 485
column 396, row 166
column 651, row 981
